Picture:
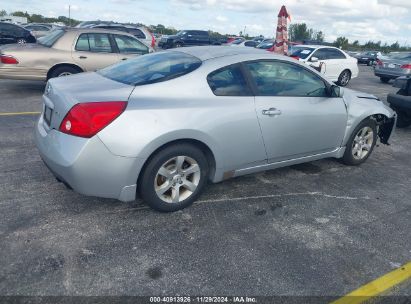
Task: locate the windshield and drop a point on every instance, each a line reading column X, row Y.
column 301, row 52
column 51, row 38
column 265, row 45
column 152, row 68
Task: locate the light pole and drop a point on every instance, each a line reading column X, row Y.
column 70, row 15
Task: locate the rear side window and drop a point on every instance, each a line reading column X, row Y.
column 228, row 81
column 97, row 43
column 136, row 32
column 153, row 68
column 51, row 38
column 335, row 54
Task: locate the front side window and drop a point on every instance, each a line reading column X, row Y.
column 152, row 68
column 129, row 45
column 228, row 81
column 276, row 78
column 302, row 52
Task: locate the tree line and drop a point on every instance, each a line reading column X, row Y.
column 297, row 32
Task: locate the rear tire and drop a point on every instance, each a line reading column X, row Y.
column 174, row 177
column 344, row 78
column 64, row 71
column 178, row 45
column 384, row 79
column 361, row 143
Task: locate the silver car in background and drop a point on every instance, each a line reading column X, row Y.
column 393, row 66
column 162, row 125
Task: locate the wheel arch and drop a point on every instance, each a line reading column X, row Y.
column 208, row 152
column 54, row 67
column 384, row 122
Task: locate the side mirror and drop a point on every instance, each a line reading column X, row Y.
column 314, row 59
column 336, row 91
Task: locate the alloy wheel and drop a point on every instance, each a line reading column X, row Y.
column 362, row 143
column 345, row 78
column 64, row 74
column 177, row 179
column 21, row 41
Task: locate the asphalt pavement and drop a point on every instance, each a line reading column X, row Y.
column 317, row 229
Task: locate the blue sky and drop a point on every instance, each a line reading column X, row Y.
column 386, row 20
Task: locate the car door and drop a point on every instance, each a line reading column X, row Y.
column 235, row 126
column 190, row 38
column 129, row 47
column 94, row 51
column 7, row 34
column 296, row 114
column 332, row 60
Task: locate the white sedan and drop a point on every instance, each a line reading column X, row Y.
column 334, row 63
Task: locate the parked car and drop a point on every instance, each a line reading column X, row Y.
column 259, row 39
column 393, row 65
column 232, row 38
column 187, row 38
column 68, row 51
column 39, row 30
column 368, row 58
column 334, row 63
column 142, row 33
column 249, row 43
column 12, row 33
column 164, row 124
column 401, row 101
column 266, row 45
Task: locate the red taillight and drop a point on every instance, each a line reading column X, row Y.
column 406, row 66
column 87, row 119
column 153, row 40
column 7, row 59
column 379, row 62
column 295, row 57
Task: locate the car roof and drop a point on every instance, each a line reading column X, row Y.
column 210, row 52
column 94, row 30
column 316, row 46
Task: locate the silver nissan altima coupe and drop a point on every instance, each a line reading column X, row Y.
column 161, row 126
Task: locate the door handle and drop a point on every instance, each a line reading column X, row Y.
column 124, row 58
column 83, row 57
column 272, row 112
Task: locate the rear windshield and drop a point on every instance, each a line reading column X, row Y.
column 51, row 38
column 400, row 56
column 302, row 52
column 152, row 68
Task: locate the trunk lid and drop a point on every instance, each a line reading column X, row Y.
column 62, row 93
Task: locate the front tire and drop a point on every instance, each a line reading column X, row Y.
column 21, row 41
column 174, row 178
column 361, row 143
column 344, row 78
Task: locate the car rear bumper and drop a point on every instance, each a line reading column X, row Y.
column 22, row 73
column 86, row 165
column 386, row 73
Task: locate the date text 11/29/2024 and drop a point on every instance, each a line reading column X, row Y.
column 182, row 299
